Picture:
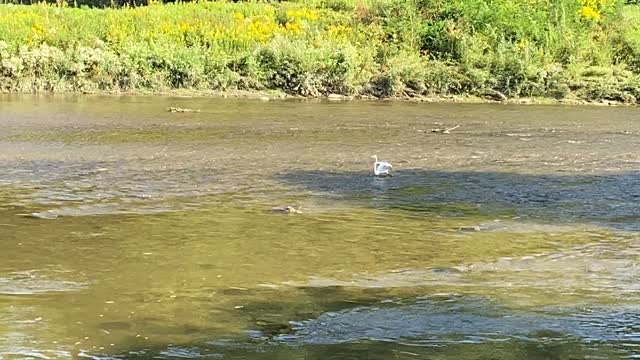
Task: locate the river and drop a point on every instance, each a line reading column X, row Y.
column 129, row 232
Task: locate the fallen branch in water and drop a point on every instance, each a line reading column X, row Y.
column 180, row 110
column 444, row 130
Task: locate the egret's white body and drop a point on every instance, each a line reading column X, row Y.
column 381, row 168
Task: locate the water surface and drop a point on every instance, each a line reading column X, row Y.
column 130, row 232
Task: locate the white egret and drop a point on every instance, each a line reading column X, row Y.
column 381, row 168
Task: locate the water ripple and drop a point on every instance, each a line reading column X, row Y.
column 462, row 320
column 35, row 282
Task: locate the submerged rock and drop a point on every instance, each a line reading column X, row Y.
column 287, row 210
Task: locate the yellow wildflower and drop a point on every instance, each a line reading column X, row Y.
column 302, row 14
column 37, row 29
column 294, row 28
column 590, row 13
column 184, row 27
column 595, row 9
column 523, row 43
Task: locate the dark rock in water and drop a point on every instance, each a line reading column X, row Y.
column 271, row 328
column 445, row 270
column 444, row 130
column 470, row 228
column 286, row 210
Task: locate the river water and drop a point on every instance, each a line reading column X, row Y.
column 128, row 232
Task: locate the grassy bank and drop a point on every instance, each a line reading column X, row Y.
column 580, row 49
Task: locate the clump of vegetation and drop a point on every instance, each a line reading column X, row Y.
column 585, row 49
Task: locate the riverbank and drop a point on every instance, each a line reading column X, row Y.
column 272, row 95
column 571, row 51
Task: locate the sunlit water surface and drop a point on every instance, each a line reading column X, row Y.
column 128, row 232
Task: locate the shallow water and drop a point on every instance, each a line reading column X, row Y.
column 131, row 232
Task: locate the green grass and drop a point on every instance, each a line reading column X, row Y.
column 585, row 49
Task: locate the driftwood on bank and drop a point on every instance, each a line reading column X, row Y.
column 494, row 95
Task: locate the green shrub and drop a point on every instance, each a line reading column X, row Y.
column 553, row 48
